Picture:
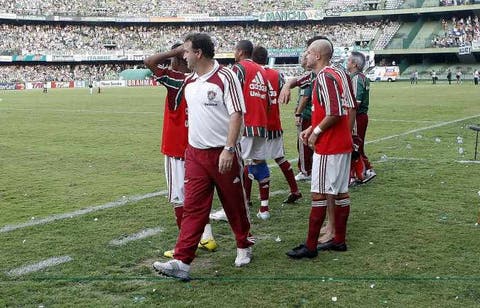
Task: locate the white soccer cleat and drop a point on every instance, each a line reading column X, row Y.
column 263, row 215
column 302, row 177
column 244, row 256
column 369, row 175
column 219, row 215
column 173, row 268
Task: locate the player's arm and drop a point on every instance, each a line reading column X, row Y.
column 153, row 61
column 305, row 96
column 234, row 101
column 302, row 81
column 239, row 70
column 284, row 96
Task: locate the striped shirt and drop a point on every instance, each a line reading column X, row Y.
column 327, row 100
column 175, row 120
column 212, row 98
column 361, row 88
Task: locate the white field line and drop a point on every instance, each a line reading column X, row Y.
column 80, row 111
column 468, row 161
column 278, row 192
column 422, row 129
column 400, row 158
column 30, row 268
column 401, row 121
column 135, row 237
column 48, row 219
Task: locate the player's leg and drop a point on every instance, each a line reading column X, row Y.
column 231, row 194
column 338, row 173
column 305, row 156
column 199, row 190
column 318, row 210
column 276, row 151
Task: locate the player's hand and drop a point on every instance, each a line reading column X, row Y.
column 225, row 161
column 298, row 121
column 284, row 96
column 304, row 135
column 312, row 139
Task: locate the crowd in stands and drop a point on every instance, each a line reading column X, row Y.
column 90, row 39
column 40, row 73
column 458, row 32
column 145, row 8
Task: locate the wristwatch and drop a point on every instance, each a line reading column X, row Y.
column 229, row 149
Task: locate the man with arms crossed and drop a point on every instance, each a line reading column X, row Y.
column 361, row 88
column 216, row 107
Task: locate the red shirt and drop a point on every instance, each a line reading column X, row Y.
column 276, row 82
column 255, row 92
column 175, row 120
column 327, row 101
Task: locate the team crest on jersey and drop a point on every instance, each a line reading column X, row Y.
column 211, row 95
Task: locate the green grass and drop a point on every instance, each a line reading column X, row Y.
column 412, row 240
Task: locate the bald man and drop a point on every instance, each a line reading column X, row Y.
column 331, row 139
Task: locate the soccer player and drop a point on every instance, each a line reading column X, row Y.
column 330, row 136
column 216, row 107
column 275, row 149
column 175, row 131
column 253, row 80
column 303, row 115
column 348, row 102
column 361, row 89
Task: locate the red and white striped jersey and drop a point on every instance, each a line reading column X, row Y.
column 175, row 121
column 211, row 99
column 327, row 100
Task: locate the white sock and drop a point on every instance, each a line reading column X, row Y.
column 264, row 203
column 207, row 232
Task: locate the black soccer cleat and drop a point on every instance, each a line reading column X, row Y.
column 302, row 251
column 331, row 245
column 292, row 198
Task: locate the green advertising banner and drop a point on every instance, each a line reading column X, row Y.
column 291, row 15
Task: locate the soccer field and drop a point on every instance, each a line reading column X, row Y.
column 84, row 213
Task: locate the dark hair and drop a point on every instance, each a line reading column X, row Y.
column 176, row 45
column 179, row 57
column 320, row 37
column 260, row 55
column 246, row 46
column 203, row 42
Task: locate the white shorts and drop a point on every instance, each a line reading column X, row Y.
column 275, row 148
column 175, row 175
column 330, row 173
column 254, row 148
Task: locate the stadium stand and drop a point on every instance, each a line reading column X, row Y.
column 88, row 39
column 99, row 38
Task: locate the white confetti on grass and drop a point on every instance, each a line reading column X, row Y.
column 30, row 268
column 135, row 237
